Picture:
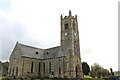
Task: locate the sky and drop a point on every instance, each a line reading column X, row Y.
column 37, row 23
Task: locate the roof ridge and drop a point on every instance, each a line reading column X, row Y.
column 52, row 47
column 30, row 46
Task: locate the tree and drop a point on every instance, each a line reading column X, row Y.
column 112, row 73
column 5, row 68
column 0, row 65
column 0, row 68
column 98, row 71
column 85, row 68
column 95, row 70
column 117, row 73
column 105, row 72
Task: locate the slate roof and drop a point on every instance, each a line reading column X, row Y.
column 54, row 52
column 38, row 53
column 29, row 51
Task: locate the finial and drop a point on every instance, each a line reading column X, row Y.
column 61, row 16
column 70, row 12
column 75, row 16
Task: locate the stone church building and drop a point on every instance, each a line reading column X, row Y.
column 62, row 61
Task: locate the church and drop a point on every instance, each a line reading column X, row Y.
column 57, row 62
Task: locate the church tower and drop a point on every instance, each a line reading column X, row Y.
column 70, row 43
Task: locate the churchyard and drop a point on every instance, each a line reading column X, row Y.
column 57, row 79
column 85, row 78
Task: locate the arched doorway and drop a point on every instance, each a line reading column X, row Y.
column 77, row 69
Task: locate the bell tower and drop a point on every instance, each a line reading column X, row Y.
column 70, row 43
column 70, row 34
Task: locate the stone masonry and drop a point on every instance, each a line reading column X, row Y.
column 62, row 61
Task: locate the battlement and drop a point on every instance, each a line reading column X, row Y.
column 69, row 16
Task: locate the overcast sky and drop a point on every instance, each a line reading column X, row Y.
column 37, row 23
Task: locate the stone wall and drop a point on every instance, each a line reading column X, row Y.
column 15, row 62
column 56, row 67
column 25, row 64
column 28, row 71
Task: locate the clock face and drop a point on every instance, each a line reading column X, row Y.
column 66, row 34
column 75, row 34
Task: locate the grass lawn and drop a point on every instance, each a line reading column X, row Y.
column 97, row 79
column 0, row 78
column 30, row 79
column 86, row 76
column 27, row 79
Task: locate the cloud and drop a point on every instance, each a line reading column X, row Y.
column 11, row 32
column 86, row 51
column 5, row 5
column 33, row 23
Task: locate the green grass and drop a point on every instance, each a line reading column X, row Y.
column 0, row 78
column 97, row 79
column 26, row 79
column 30, row 79
column 51, row 79
column 86, row 76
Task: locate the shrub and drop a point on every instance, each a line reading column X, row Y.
column 5, row 79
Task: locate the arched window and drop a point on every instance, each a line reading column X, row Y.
column 59, row 72
column 17, row 71
column 43, row 67
column 10, row 71
column 66, row 26
column 32, row 67
column 39, row 66
column 13, row 72
column 49, row 67
column 74, row 25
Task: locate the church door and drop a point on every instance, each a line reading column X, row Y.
column 77, row 71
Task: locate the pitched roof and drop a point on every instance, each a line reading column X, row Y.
column 33, row 52
column 29, row 51
column 54, row 52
